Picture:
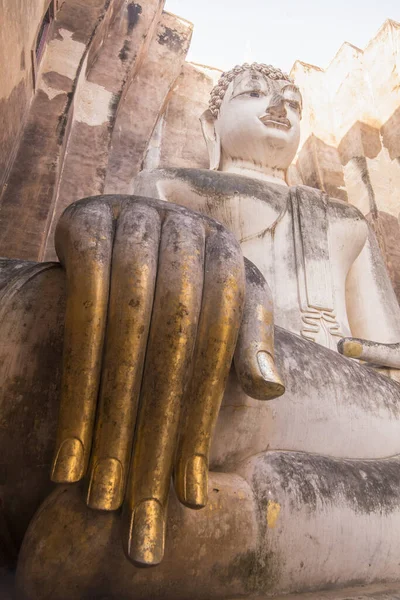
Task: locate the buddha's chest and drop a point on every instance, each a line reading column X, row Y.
column 302, row 236
column 305, row 256
column 303, row 242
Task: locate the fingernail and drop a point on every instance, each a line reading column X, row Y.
column 106, row 485
column 68, row 465
column 350, row 348
column 145, row 547
column 266, row 364
column 196, row 482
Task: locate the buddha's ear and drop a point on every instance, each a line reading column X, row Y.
column 213, row 141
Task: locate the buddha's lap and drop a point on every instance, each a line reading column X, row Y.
column 283, row 507
column 332, row 406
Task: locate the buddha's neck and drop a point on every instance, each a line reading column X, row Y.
column 256, row 171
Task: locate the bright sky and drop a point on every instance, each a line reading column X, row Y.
column 230, row 32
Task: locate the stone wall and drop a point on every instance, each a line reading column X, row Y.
column 106, row 73
column 20, row 21
column 178, row 140
column 351, row 130
column 113, row 94
column 27, row 200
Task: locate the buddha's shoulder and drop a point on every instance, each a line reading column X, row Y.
column 335, row 206
column 207, row 183
column 174, row 183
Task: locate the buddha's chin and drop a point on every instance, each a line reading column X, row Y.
column 281, row 141
column 273, row 132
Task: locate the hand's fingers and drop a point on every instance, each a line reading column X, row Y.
column 84, row 243
column 134, row 268
column 254, row 356
column 384, row 355
column 169, row 353
column 221, row 314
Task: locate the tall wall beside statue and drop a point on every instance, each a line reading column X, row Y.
column 350, row 143
column 110, row 93
column 18, row 33
column 104, row 77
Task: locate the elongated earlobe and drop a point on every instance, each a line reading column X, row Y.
column 212, row 139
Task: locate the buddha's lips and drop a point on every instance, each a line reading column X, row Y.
column 280, row 122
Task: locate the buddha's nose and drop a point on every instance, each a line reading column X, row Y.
column 276, row 106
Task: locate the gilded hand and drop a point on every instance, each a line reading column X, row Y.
column 156, row 299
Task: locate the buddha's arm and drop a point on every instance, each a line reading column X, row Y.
column 373, row 310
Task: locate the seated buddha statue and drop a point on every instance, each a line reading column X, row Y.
column 278, row 474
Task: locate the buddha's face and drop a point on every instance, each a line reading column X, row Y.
column 259, row 120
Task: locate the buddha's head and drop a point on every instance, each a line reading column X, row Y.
column 253, row 119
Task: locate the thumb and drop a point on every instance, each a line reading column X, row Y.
column 384, row 355
column 254, row 355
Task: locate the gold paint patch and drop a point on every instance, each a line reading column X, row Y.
column 273, row 510
column 352, row 349
column 263, row 315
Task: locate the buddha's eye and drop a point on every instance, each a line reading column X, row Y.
column 250, row 93
column 294, row 104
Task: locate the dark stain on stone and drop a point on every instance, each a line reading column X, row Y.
column 114, row 102
column 254, row 573
column 112, row 110
column 387, row 230
column 134, row 11
column 22, row 60
column 171, row 38
column 390, row 132
column 12, row 112
column 253, row 274
column 360, row 163
column 83, row 19
column 101, row 173
column 367, row 486
column 220, row 187
column 57, row 81
column 63, row 118
column 34, row 169
column 361, row 140
column 320, row 167
column 338, row 209
column 124, row 52
column 328, row 370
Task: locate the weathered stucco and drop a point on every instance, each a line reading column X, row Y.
column 27, row 200
column 352, row 111
column 177, row 138
column 20, row 22
column 145, row 99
